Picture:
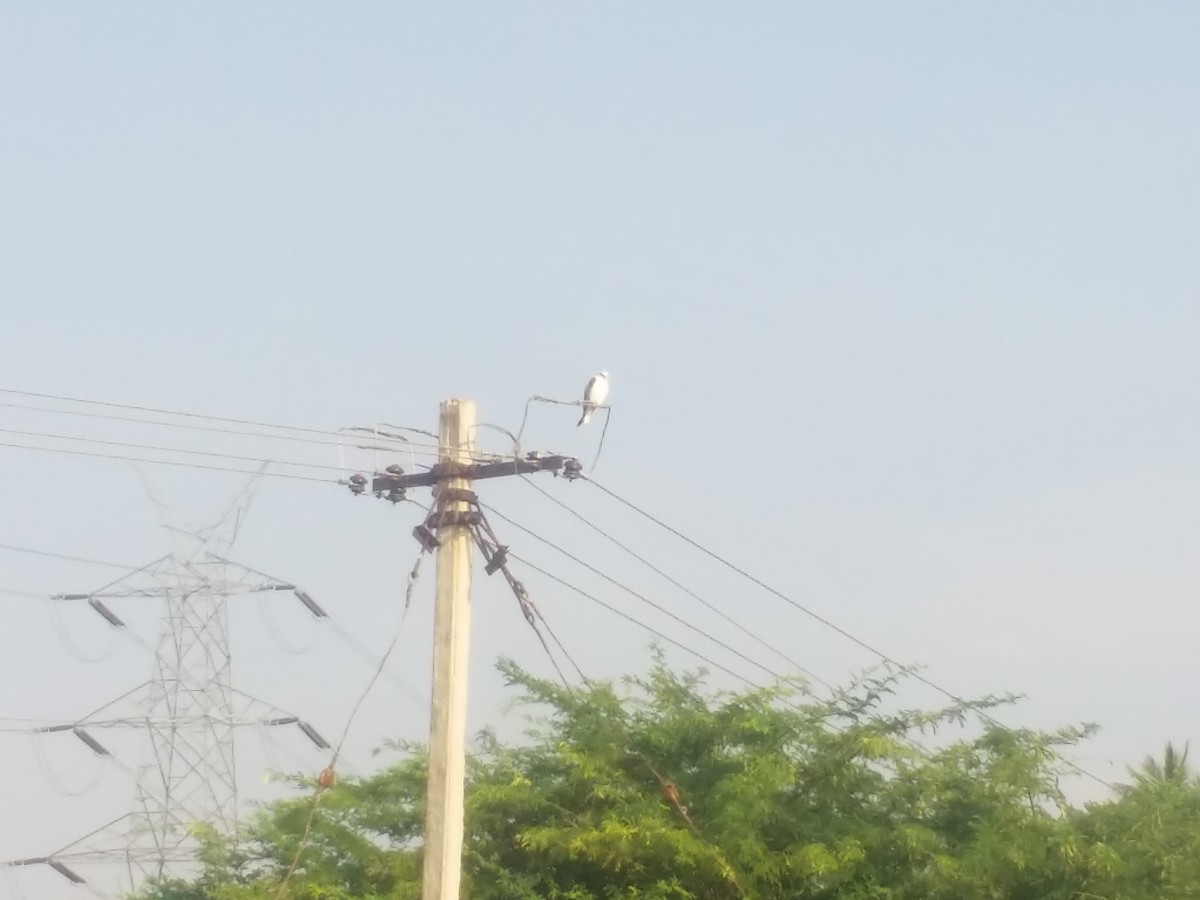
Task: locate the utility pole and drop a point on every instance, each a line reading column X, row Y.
column 450, row 529
column 451, row 646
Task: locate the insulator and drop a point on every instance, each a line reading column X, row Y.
column 109, row 616
column 394, row 469
column 396, row 494
column 357, row 483
column 313, row 607
column 498, row 561
column 572, row 469
column 313, row 735
column 326, row 778
column 71, row 597
column 94, row 745
column 65, row 872
column 281, row 720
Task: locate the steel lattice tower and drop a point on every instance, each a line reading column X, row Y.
column 191, row 775
column 189, row 709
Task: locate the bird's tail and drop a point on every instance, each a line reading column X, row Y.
column 585, row 418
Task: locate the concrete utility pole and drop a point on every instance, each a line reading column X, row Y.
column 451, row 528
column 451, row 656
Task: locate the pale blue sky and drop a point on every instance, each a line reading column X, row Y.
column 899, row 302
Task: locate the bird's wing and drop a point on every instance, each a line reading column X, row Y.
column 590, row 390
column 598, row 389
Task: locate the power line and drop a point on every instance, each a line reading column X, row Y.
column 13, row 592
column 342, row 438
column 562, row 649
column 168, row 462
column 325, row 780
column 668, row 789
column 794, row 603
column 161, row 449
column 323, row 435
column 336, row 627
column 641, row 597
column 532, row 612
column 189, row 426
column 928, row 682
column 710, row 606
column 496, row 557
column 108, row 417
column 68, row 558
column 633, row 619
column 167, row 412
column 326, row 619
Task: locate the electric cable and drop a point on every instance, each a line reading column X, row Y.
column 79, row 559
column 73, row 648
column 281, row 640
column 167, row 412
column 928, row 682
column 497, row 559
column 31, row 595
column 633, row 619
column 39, row 752
column 326, row 778
column 161, row 449
column 301, row 434
column 338, row 441
column 168, row 462
column 641, row 597
column 710, row 606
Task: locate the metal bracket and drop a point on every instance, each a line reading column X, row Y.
column 498, row 561
column 451, row 517
column 458, row 495
column 426, row 538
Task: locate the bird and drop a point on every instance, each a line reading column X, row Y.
column 594, row 395
column 670, row 793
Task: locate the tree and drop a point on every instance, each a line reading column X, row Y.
column 1173, row 768
column 666, row 789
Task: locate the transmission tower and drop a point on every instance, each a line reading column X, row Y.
column 189, row 709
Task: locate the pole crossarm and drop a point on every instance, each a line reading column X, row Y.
column 396, row 481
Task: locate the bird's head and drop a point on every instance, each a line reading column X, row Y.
column 603, row 373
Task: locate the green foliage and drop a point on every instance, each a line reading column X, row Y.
column 782, row 796
column 1148, row 844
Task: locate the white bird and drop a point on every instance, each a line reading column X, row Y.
column 594, row 395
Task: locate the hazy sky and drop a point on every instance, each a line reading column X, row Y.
column 899, row 302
